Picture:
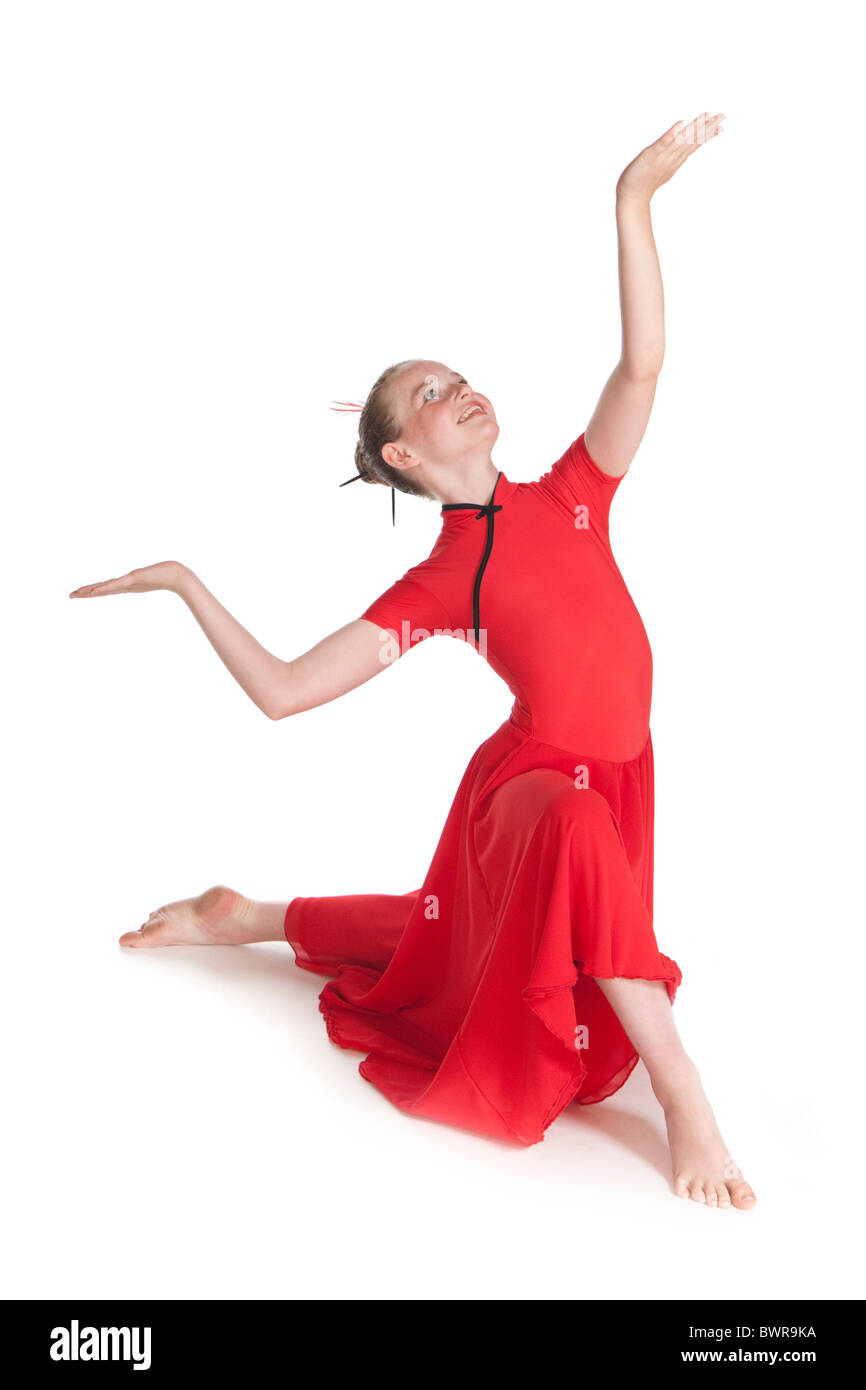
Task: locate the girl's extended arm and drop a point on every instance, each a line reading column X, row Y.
column 340, row 662
column 621, row 416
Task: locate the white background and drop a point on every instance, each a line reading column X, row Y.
column 218, row 219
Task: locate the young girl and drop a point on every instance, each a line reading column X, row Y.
column 524, row 973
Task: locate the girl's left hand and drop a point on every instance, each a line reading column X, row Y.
column 167, row 574
column 660, row 161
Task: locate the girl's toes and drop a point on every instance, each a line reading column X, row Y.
column 723, row 1195
column 711, row 1196
column 681, row 1187
column 697, row 1192
column 742, row 1196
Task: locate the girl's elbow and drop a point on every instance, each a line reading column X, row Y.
column 277, row 712
column 647, row 369
column 284, row 700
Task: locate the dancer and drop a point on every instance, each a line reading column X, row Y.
column 524, row 973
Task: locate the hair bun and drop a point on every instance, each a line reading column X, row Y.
column 362, row 466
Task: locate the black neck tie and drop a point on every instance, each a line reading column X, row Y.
column 481, row 509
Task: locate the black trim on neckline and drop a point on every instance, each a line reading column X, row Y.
column 487, row 509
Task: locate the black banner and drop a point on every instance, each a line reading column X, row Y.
column 162, row 1339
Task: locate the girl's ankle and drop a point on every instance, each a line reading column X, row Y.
column 674, row 1079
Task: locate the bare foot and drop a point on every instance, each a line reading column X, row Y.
column 702, row 1166
column 217, row 917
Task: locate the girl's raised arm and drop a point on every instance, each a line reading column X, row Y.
column 340, row 662
column 620, row 418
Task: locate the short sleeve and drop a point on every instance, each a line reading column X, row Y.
column 410, row 610
column 577, row 481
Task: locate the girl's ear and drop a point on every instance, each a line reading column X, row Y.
column 397, row 458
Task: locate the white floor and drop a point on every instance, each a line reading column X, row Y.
column 182, row 1127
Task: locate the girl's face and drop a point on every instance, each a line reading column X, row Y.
column 432, row 402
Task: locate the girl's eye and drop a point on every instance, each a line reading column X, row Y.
column 433, row 385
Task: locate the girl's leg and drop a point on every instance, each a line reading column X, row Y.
column 702, row 1166
column 217, row 917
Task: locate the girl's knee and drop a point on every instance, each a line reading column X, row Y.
column 582, row 809
column 545, row 795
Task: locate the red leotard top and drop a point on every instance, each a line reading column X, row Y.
column 557, row 622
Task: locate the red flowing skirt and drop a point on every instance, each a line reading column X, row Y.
column 474, row 996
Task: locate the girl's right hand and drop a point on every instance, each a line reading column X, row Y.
column 165, row 575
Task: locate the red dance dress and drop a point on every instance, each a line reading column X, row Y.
column 474, row 997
